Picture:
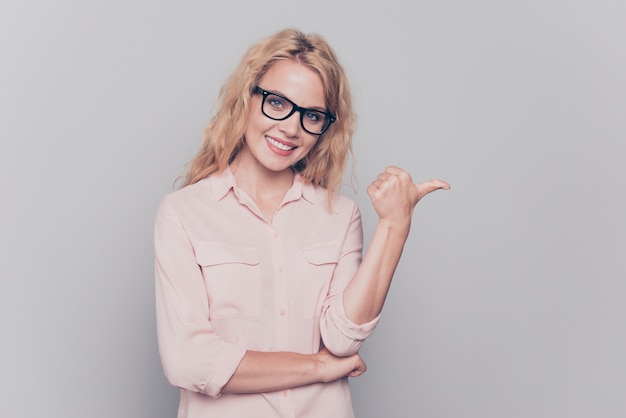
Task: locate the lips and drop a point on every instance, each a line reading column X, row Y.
column 279, row 145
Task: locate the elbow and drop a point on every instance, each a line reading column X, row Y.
column 201, row 368
column 340, row 335
column 182, row 372
column 339, row 344
column 344, row 351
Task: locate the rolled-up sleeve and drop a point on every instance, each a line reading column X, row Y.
column 340, row 335
column 192, row 355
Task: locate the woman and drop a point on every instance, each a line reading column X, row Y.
column 263, row 298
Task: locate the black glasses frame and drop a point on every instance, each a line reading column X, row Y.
column 329, row 116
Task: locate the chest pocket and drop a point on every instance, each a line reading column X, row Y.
column 232, row 277
column 321, row 260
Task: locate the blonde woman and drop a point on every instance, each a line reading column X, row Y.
column 263, row 296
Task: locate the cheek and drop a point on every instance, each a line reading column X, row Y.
column 254, row 130
column 257, row 122
column 308, row 146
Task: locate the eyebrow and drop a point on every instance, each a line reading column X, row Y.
column 278, row 92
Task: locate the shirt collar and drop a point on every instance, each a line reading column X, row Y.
column 223, row 182
column 301, row 189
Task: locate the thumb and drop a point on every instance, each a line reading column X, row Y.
column 430, row 186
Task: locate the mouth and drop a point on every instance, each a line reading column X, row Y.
column 279, row 145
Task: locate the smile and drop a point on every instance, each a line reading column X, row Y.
column 278, row 145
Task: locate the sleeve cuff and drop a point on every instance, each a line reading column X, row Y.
column 349, row 328
column 341, row 336
column 225, row 368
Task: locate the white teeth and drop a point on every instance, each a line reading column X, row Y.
column 278, row 144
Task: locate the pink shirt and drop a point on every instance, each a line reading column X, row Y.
column 227, row 281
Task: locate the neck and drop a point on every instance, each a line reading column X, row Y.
column 258, row 181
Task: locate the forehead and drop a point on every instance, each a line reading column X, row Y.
column 295, row 81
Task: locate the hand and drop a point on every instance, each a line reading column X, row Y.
column 394, row 195
column 332, row 367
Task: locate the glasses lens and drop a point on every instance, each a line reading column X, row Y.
column 276, row 107
column 315, row 122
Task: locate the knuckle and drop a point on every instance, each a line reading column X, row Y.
column 404, row 176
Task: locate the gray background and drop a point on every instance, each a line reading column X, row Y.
column 509, row 300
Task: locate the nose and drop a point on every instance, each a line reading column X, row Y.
column 291, row 125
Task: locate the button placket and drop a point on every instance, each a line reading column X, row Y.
column 280, row 289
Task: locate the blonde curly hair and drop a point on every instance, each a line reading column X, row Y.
column 224, row 135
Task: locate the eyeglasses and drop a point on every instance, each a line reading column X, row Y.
column 277, row 107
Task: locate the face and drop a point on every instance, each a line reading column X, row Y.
column 273, row 145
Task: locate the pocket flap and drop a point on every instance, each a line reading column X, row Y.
column 324, row 253
column 214, row 253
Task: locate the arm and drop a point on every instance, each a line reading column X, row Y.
column 394, row 196
column 266, row 372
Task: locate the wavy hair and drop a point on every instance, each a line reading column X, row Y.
column 224, row 135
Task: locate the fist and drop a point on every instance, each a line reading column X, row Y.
column 394, row 194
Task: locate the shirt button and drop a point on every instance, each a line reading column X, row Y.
column 281, row 269
column 286, row 393
column 282, row 312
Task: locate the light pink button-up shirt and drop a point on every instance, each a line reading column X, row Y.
column 228, row 281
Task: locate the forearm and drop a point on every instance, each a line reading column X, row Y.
column 365, row 295
column 272, row 371
column 267, row 372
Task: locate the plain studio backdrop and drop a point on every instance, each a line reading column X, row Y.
column 510, row 299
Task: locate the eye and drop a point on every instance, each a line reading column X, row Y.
column 276, row 102
column 313, row 116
